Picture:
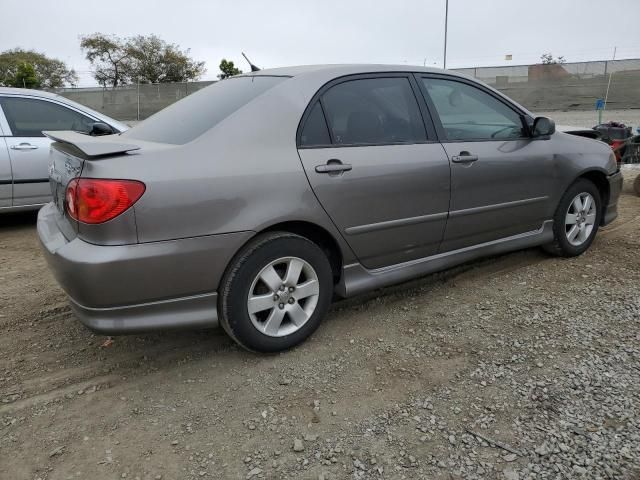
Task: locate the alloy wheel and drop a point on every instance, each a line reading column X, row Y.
column 283, row 296
column 580, row 219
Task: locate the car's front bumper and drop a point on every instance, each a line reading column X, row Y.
column 615, row 187
column 140, row 287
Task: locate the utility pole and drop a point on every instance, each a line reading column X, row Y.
column 446, row 21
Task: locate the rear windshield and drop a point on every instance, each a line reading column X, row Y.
column 189, row 118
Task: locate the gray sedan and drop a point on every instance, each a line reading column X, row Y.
column 255, row 201
column 24, row 150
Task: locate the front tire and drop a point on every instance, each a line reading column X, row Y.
column 276, row 292
column 576, row 220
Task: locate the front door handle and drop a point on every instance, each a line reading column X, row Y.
column 464, row 157
column 333, row 167
column 24, row 146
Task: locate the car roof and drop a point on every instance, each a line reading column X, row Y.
column 344, row 69
column 311, row 74
column 28, row 91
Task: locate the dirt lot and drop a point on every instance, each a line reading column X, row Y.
column 539, row 356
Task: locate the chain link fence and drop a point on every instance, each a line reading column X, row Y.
column 567, row 87
column 132, row 102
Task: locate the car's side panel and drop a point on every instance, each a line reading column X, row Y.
column 508, row 190
column 392, row 206
column 29, row 160
column 499, row 186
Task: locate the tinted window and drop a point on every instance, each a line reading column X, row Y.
column 28, row 117
column 468, row 113
column 373, row 111
column 189, row 118
column 315, row 130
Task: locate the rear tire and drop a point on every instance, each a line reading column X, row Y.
column 576, row 220
column 276, row 292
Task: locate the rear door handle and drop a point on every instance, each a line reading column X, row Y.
column 464, row 157
column 333, row 167
column 24, row 146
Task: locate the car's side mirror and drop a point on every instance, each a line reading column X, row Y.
column 100, row 128
column 543, row 127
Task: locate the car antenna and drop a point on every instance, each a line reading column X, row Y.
column 253, row 67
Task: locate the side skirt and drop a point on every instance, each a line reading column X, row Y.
column 356, row 279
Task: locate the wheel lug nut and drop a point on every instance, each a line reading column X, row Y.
column 281, row 306
column 291, row 289
column 291, row 300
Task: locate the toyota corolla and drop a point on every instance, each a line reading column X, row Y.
column 254, row 202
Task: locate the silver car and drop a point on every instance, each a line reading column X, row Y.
column 24, row 150
column 255, row 201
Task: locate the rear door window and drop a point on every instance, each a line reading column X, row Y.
column 373, row 111
column 28, row 117
column 315, row 132
column 186, row 120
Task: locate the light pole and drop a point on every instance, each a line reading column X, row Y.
column 446, row 21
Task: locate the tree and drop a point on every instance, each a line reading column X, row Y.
column 147, row 59
column 109, row 56
column 32, row 69
column 25, row 77
column 228, row 69
column 547, row 59
column 152, row 60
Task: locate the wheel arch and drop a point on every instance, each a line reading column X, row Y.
column 311, row 231
column 318, row 235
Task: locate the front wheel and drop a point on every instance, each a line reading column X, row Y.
column 276, row 292
column 576, row 220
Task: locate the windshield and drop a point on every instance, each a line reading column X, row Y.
column 190, row 117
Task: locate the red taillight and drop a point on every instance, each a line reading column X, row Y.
column 93, row 200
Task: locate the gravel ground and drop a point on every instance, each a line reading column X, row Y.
column 515, row 367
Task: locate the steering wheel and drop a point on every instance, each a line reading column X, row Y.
column 494, row 134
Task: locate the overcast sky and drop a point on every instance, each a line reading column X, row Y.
column 282, row 32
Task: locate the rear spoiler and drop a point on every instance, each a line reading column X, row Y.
column 92, row 146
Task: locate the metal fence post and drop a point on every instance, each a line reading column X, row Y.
column 138, row 95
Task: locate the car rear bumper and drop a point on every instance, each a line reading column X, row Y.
column 615, row 187
column 199, row 311
column 132, row 288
